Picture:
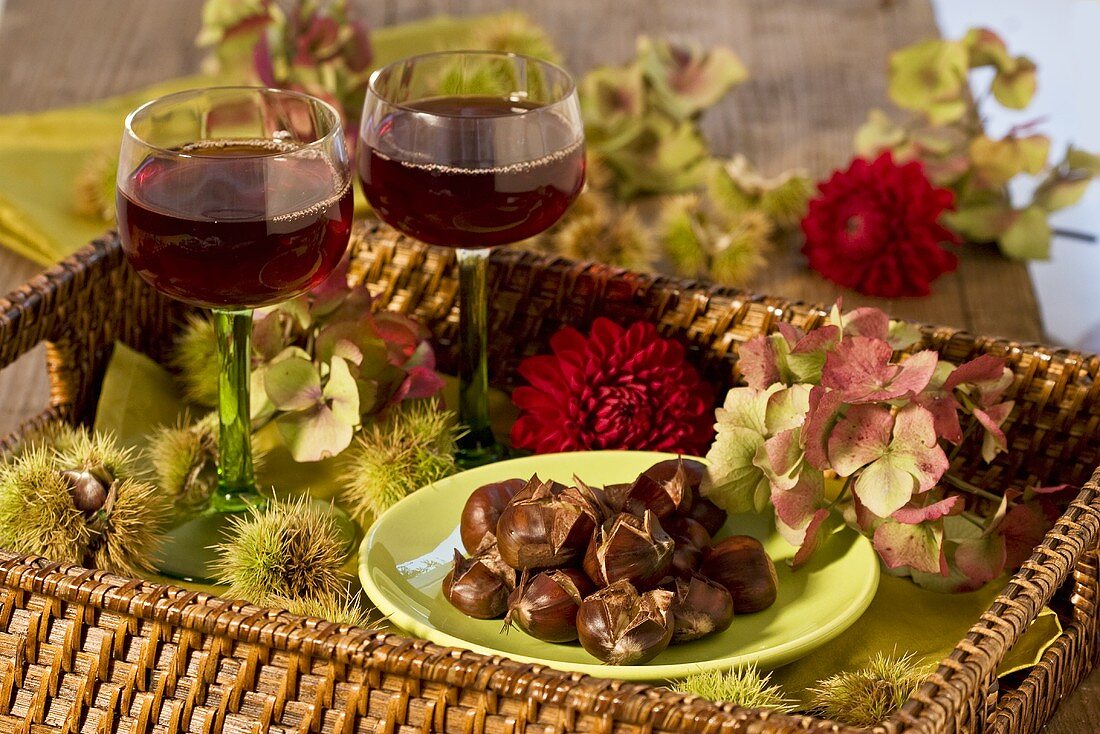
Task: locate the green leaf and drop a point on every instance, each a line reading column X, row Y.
column 1058, row 193
column 293, row 384
column 342, row 393
column 1015, row 88
column 314, row 434
column 1080, row 159
column 879, row 133
column 986, row 48
column 1028, row 238
column 137, row 396
column 981, row 222
column 686, row 79
column 929, row 77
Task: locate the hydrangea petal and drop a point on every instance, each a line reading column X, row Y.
column 824, row 411
column 886, row 485
column 867, row 321
column 759, row 363
column 913, row 515
column 859, row 438
column 787, row 408
column 918, row 547
column 735, row 482
column 981, row 559
column 818, row 529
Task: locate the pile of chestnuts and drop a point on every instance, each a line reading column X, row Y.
column 627, row 569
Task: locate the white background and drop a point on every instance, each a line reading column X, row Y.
column 1063, row 37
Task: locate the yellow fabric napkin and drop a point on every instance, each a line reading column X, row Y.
column 42, row 153
column 903, row 618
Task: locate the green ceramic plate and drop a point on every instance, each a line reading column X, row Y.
column 409, row 550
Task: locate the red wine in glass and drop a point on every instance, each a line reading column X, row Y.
column 467, row 201
column 205, row 229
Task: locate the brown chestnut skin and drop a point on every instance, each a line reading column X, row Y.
column 666, row 487
column 622, row 627
column 545, row 605
column 630, row 548
column 692, row 541
column 546, row 525
column 479, row 586
column 741, row 564
column 483, row 508
column 701, row 607
column 709, row 515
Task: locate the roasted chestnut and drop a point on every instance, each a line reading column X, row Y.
column 741, row 564
column 666, row 487
column 709, row 515
column 483, row 508
column 546, row 525
column 629, row 548
column 622, row 627
column 692, row 541
column 545, row 605
column 479, row 586
column 699, row 608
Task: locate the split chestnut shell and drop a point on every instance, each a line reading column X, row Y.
column 622, row 627
column 546, row 525
column 629, row 548
column 479, row 586
column 545, row 605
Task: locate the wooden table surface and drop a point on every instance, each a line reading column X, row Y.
column 816, row 68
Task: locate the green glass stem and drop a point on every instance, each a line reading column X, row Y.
column 478, row 446
column 236, row 481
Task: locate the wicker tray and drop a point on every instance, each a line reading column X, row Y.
column 84, row 651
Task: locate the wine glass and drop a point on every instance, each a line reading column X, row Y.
column 471, row 150
column 232, row 198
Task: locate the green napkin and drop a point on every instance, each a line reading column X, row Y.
column 42, row 153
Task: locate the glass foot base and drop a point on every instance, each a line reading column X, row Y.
column 188, row 553
column 479, row 448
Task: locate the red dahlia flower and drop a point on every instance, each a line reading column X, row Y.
column 616, row 389
column 875, row 228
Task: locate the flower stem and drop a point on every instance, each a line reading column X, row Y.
column 966, row 435
column 973, row 519
column 840, row 495
column 965, row 486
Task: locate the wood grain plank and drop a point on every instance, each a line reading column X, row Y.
column 63, row 53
